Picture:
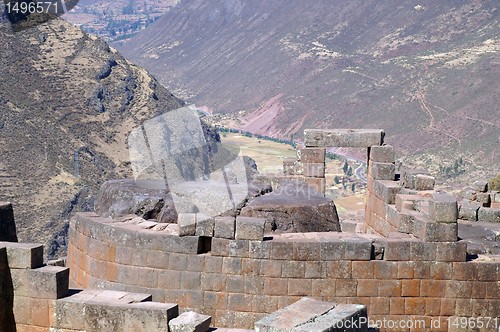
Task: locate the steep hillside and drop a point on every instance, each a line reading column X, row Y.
column 67, row 103
column 425, row 71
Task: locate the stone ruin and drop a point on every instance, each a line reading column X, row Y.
column 259, row 270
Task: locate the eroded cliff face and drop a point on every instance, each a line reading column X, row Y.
column 67, row 104
column 426, row 72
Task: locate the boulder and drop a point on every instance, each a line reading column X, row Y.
column 146, row 199
column 294, row 208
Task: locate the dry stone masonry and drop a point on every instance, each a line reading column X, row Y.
column 261, row 268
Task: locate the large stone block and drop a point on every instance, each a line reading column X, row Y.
column 314, row 316
column 382, row 171
column 7, row 223
column 356, row 138
column 468, row 211
column 316, row 170
column 248, row 228
column 225, row 227
column 311, row 155
column 317, row 186
column 148, row 316
column 23, row 255
column 424, row 182
column 190, row 322
column 205, row 225
column 382, row 154
column 386, row 190
column 409, row 175
column 484, row 199
column 49, row 282
column 187, row 224
column 443, row 207
column 488, row 214
column 430, row 231
column 289, row 166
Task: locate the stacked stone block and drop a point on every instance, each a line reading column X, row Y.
column 310, row 162
column 241, row 281
column 483, row 205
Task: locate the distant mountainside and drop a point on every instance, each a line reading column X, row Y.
column 67, row 104
column 425, row 71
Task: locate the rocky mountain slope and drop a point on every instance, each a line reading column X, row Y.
column 425, row 71
column 67, row 104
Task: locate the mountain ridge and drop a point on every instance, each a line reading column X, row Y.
column 425, row 72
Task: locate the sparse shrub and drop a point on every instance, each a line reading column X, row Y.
column 494, row 183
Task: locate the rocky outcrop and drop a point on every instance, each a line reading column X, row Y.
column 294, row 208
column 119, row 198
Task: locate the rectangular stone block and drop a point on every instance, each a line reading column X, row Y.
column 23, row 255
column 248, row 228
column 358, row 249
column 408, row 177
column 190, row 322
column 313, row 315
column 311, row 155
column 443, row 207
column 205, row 225
column 49, row 282
column 424, row 182
column 187, row 224
column 225, row 227
column 451, row 251
column 484, row 199
column 488, row 214
column 382, row 171
column 386, row 190
column 382, row 154
column 468, row 211
column 355, row 138
column 316, row 185
column 148, row 316
column 289, row 166
column 186, row 244
column 313, row 170
column 430, row 231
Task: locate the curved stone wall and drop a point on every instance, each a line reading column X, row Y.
column 238, row 281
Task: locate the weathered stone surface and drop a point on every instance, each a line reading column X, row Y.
column 204, row 225
column 147, row 199
column 382, row 171
column 187, row 224
column 311, row 155
column 382, row 154
column 443, row 208
column 313, row 316
column 7, row 224
column 408, row 177
column 23, row 255
column 484, row 199
column 225, row 227
column 190, row 322
column 313, row 170
column 289, row 166
column 293, row 207
column 480, row 186
column 356, row 138
column 424, row 182
column 386, row 190
column 315, row 185
column 249, row 228
column 488, row 214
column 468, row 211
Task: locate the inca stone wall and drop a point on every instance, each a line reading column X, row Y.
column 239, row 281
